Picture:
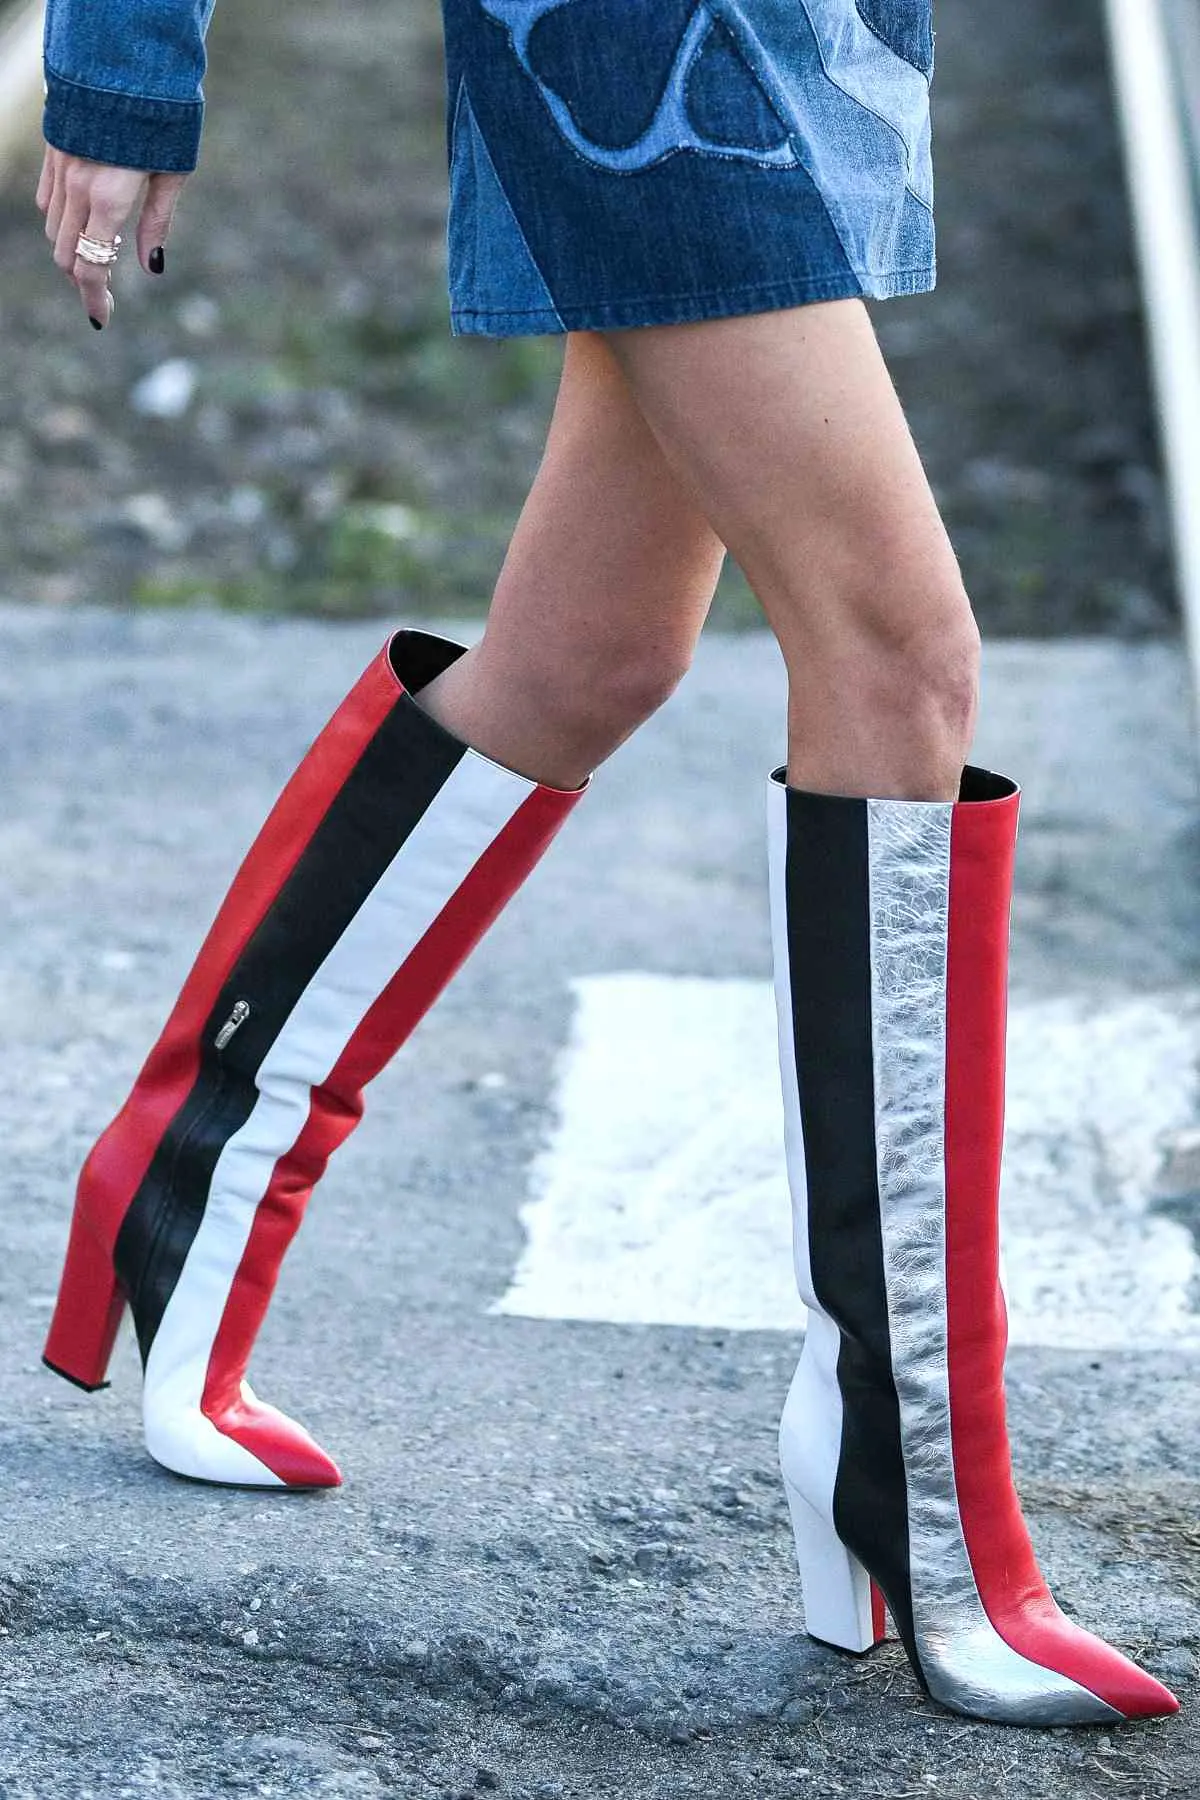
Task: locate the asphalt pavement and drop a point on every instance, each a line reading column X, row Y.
column 560, row 1565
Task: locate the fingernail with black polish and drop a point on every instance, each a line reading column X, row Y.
column 158, row 261
column 97, row 324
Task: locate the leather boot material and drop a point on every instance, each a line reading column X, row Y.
column 386, row 858
column 891, row 923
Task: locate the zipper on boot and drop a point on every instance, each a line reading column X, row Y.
column 233, row 1024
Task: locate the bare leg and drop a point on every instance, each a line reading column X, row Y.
column 788, row 430
column 890, row 930
column 603, row 593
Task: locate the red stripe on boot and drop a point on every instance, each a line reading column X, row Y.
column 1014, row 1594
column 118, row 1164
column 337, row 1106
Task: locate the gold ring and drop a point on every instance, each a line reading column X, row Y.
column 95, row 250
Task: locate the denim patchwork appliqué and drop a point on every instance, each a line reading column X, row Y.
column 644, row 161
column 692, row 32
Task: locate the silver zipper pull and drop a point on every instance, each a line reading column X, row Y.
column 234, row 1022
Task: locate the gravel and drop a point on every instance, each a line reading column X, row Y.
column 562, row 1554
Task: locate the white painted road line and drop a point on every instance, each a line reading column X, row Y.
column 661, row 1196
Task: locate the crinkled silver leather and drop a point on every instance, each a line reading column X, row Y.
column 965, row 1661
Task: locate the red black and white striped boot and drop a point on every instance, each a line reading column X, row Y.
column 890, row 923
column 388, row 855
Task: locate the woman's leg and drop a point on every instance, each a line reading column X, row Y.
column 386, row 858
column 607, row 582
column 890, row 882
column 788, row 430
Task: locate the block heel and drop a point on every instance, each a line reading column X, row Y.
column 842, row 1605
column 87, row 1314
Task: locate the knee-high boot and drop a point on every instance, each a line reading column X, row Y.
column 388, row 855
column 890, row 923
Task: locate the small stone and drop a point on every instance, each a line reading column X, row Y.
column 1176, row 1663
column 250, row 1638
column 65, row 425
column 156, row 519
column 198, row 315
column 486, row 1779
column 167, row 391
column 246, row 505
column 1179, row 1176
column 649, row 1557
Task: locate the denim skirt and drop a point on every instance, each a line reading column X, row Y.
column 639, row 162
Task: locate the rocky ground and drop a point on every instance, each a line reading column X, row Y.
column 284, row 422
column 561, row 1567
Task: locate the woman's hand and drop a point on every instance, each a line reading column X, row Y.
column 95, row 200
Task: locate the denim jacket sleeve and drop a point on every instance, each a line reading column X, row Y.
column 124, row 81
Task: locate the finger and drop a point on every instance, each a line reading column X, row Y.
column 92, row 282
column 102, row 224
column 112, row 195
column 45, row 186
column 58, row 197
column 71, row 222
column 158, row 215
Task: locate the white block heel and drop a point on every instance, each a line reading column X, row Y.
column 842, row 1605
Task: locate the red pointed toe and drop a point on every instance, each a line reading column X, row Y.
column 279, row 1443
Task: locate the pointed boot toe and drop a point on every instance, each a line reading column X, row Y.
column 1107, row 1684
column 240, row 1443
column 1037, row 1676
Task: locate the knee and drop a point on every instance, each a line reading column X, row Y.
column 590, row 699
column 637, row 685
column 611, row 691
column 885, row 694
column 934, row 673
column 923, row 688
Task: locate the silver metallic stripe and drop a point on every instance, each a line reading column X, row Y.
column 964, row 1659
